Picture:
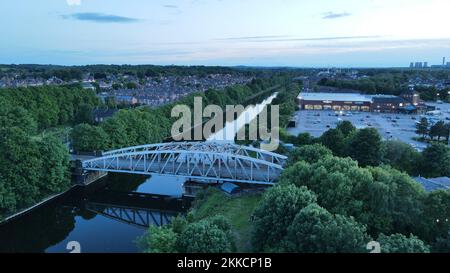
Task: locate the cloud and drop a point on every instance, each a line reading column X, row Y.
column 100, row 18
column 333, row 15
column 170, row 6
column 254, row 38
column 274, row 38
column 73, row 2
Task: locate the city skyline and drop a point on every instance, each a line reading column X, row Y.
column 369, row 33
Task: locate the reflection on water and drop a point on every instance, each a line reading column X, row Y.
column 107, row 217
column 172, row 186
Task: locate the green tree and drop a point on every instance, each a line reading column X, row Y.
column 304, row 139
column 447, row 131
column 315, row 230
column 436, row 216
column 276, row 212
column 346, row 127
column 84, row 114
column 422, row 127
column 401, row 156
column 88, row 138
column 204, row 237
column 335, row 181
column 159, row 240
column 399, row 243
column 334, row 140
column 116, row 130
column 435, row 161
column 55, row 177
column 309, row 153
column 131, row 85
column 17, row 117
column 392, row 202
column 365, row 147
column 20, row 170
column 438, row 130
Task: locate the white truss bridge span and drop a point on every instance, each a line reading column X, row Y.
column 213, row 161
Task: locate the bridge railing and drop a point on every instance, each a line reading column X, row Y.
column 192, row 146
column 190, row 164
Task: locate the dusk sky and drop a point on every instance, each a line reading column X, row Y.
column 304, row 33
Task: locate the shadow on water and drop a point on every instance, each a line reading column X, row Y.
column 106, row 217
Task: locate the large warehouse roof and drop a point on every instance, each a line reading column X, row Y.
column 313, row 96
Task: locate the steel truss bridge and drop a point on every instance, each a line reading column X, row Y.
column 211, row 161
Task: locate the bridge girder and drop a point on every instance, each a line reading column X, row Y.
column 209, row 146
column 207, row 161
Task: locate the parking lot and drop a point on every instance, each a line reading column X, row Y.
column 391, row 126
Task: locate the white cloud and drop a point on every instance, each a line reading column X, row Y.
column 73, row 2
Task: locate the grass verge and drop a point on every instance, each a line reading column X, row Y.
column 237, row 209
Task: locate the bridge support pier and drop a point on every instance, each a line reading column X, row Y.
column 83, row 178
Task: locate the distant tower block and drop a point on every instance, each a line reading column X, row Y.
column 443, row 61
column 425, row 64
column 411, row 65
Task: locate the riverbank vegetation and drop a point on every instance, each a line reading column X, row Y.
column 147, row 125
column 34, row 164
column 212, row 206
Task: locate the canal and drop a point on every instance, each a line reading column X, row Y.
column 109, row 215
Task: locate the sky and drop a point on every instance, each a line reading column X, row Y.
column 299, row 33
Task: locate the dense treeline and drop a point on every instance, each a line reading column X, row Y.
column 30, row 169
column 67, row 73
column 34, row 166
column 146, row 125
column 386, row 83
column 367, row 147
column 324, row 196
column 49, row 106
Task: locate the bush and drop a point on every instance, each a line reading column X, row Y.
column 398, row 243
column 158, row 240
column 204, row 237
column 315, row 230
column 309, row 153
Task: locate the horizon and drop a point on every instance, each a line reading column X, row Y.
column 224, row 66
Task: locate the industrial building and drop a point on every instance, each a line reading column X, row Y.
column 334, row 101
